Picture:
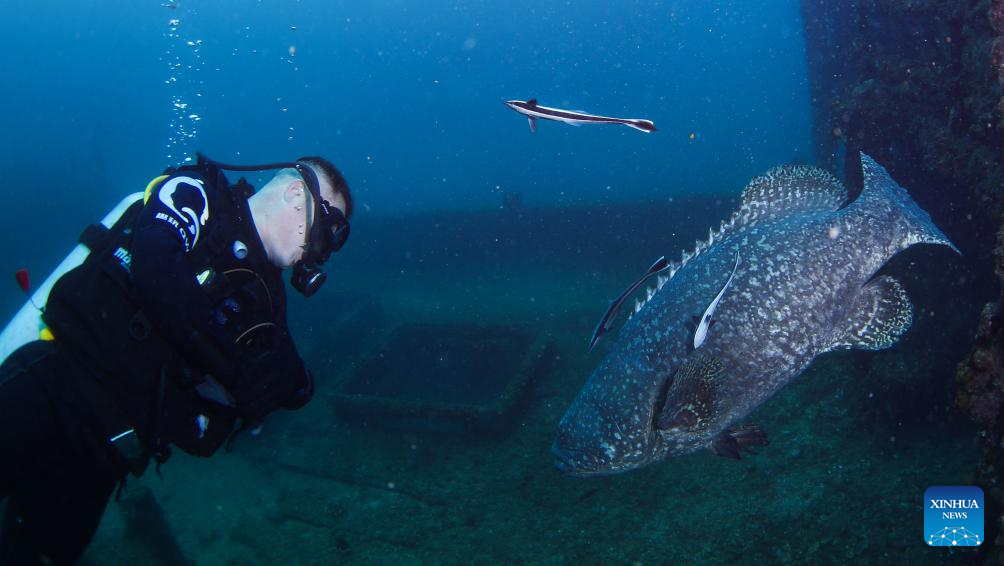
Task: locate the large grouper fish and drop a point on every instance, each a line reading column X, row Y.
column 789, row 277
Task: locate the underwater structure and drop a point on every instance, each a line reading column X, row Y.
column 919, row 84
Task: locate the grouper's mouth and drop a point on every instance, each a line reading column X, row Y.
column 569, row 462
column 564, row 460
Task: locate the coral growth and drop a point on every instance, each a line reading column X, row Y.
column 981, row 376
column 919, row 85
column 996, row 16
column 916, row 84
column 981, row 396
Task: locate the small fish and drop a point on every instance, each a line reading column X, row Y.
column 615, row 306
column 701, row 334
column 202, row 421
column 532, row 111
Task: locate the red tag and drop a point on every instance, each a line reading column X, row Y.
column 22, row 279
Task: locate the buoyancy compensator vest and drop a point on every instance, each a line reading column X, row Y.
column 166, row 394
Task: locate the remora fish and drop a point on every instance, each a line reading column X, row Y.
column 532, row 111
column 701, row 334
column 805, row 287
column 615, row 305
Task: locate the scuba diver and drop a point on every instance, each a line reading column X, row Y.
column 171, row 332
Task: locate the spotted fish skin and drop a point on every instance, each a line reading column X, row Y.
column 804, row 287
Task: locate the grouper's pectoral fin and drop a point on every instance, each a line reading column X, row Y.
column 696, row 397
column 881, row 314
column 738, row 439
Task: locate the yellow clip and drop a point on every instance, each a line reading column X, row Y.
column 153, row 185
column 205, row 275
column 46, row 335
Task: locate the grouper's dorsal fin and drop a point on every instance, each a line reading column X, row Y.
column 881, row 313
column 787, row 190
column 696, row 397
column 784, row 190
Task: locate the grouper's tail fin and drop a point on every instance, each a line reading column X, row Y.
column 881, row 191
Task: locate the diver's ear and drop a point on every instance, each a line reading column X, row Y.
column 294, row 191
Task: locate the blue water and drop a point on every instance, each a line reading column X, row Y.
column 406, row 97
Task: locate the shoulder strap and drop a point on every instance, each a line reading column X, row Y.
column 97, row 236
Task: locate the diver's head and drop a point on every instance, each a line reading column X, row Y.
column 331, row 180
column 293, row 223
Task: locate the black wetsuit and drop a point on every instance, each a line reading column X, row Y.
column 174, row 328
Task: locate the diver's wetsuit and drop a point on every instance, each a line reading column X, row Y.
column 174, row 327
column 55, row 468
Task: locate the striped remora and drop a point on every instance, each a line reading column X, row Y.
column 615, row 306
column 532, row 111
